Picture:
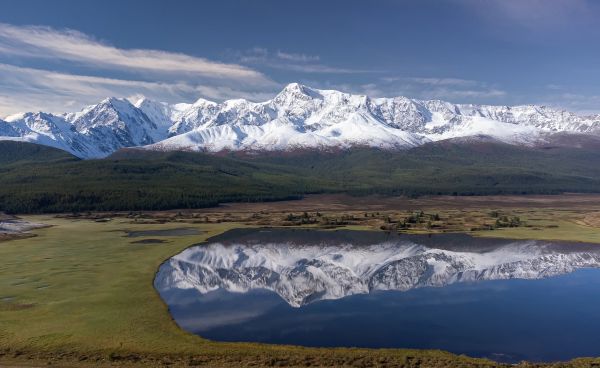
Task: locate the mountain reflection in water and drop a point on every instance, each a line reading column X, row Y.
column 481, row 297
column 306, row 266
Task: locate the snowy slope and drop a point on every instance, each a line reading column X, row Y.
column 304, row 273
column 95, row 131
column 303, row 117
column 46, row 129
column 114, row 124
column 298, row 117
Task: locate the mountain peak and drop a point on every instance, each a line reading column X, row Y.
column 203, row 102
column 109, row 101
column 297, row 88
column 298, row 117
column 294, row 87
column 142, row 100
column 117, row 103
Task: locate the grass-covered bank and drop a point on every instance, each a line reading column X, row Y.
column 80, row 293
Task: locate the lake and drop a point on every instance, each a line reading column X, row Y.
column 507, row 300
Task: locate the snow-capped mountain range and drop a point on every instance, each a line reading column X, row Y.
column 298, row 117
column 305, row 273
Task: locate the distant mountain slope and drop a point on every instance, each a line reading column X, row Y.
column 299, row 117
column 136, row 179
column 96, row 131
column 22, row 152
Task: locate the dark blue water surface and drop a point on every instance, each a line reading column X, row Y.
column 547, row 319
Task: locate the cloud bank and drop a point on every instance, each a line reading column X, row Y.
column 70, row 45
column 79, row 70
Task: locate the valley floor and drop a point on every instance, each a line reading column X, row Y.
column 568, row 217
column 80, row 293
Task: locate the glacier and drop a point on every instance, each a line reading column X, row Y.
column 297, row 117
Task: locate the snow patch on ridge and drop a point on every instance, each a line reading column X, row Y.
column 298, row 117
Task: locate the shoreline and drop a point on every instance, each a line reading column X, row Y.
column 158, row 339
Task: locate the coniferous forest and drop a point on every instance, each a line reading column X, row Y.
column 36, row 179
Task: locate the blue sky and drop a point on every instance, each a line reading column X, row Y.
column 60, row 55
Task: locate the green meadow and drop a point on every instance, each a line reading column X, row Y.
column 80, row 293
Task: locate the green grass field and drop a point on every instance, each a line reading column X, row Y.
column 80, row 293
column 553, row 225
column 81, row 290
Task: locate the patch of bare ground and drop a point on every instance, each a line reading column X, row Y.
column 591, row 219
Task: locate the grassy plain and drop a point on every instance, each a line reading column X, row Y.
column 80, row 293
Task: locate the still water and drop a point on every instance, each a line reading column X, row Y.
column 508, row 300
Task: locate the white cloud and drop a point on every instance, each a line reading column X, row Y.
column 74, row 46
column 445, row 88
column 301, row 63
column 161, row 75
column 456, row 82
column 534, row 15
column 318, row 69
column 254, row 55
column 542, row 12
column 575, row 102
column 176, row 77
column 27, row 89
column 473, row 94
column 297, row 57
column 30, row 89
